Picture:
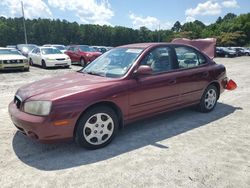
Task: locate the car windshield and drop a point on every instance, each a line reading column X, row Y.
column 86, row 49
column 60, row 47
column 26, row 48
column 9, row 51
column 114, row 63
column 47, row 51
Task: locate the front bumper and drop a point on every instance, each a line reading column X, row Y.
column 19, row 66
column 39, row 127
column 58, row 63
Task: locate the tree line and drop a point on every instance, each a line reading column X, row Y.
column 231, row 30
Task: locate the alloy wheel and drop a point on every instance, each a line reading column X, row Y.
column 210, row 99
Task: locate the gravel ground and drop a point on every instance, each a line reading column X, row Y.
column 184, row 148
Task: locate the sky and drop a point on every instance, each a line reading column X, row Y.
column 153, row 14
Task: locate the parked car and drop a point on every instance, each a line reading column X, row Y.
column 125, row 84
column 101, row 49
column 225, row 52
column 244, row 51
column 48, row 57
column 12, row 59
column 82, row 54
column 60, row 47
column 25, row 48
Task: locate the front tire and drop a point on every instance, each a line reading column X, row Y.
column 44, row 66
column 83, row 62
column 31, row 62
column 96, row 128
column 209, row 99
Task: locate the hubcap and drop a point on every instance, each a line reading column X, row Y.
column 98, row 128
column 210, row 99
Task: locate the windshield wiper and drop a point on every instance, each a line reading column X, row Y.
column 93, row 73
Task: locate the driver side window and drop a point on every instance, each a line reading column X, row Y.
column 158, row 59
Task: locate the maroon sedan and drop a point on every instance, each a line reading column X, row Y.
column 82, row 54
column 125, row 84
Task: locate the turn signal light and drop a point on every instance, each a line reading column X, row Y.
column 231, row 85
column 61, row 123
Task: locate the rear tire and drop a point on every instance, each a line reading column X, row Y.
column 96, row 128
column 209, row 99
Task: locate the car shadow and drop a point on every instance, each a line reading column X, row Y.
column 13, row 71
column 50, row 68
column 134, row 136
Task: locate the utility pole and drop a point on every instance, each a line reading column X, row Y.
column 159, row 32
column 24, row 26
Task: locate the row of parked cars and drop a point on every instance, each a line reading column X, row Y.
column 48, row 55
column 232, row 51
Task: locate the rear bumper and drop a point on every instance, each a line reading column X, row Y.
column 38, row 127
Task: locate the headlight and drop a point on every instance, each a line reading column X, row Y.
column 67, row 57
column 89, row 55
column 25, row 61
column 41, row 108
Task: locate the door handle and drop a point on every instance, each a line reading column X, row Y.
column 172, row 82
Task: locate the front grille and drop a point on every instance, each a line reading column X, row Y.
column 17, row 101
column 12, row 61
column 60, row 59
column 16, row 67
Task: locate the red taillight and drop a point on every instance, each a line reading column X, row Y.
column 231, row 85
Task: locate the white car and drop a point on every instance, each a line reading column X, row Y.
column 48, row 57
column 12, row 59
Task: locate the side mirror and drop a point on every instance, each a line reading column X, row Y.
column 143, row 70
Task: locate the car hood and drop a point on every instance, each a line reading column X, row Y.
column 64, row 85
column 55, row 56
column 11, row 57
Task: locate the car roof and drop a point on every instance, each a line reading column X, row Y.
column 53, row 45
column 142, row 45
column 43, row 47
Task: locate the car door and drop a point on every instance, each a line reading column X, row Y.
column 70, row 52
column 193, row 74
column 39, row 56
column 158, row 91
column 77, row 54
column 34, row 55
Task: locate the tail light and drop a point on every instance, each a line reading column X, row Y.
column 231, row 85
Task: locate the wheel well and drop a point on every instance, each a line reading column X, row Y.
column 112, row 105
column 216, row 84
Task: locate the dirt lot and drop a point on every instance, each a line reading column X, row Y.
column 179, row 149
